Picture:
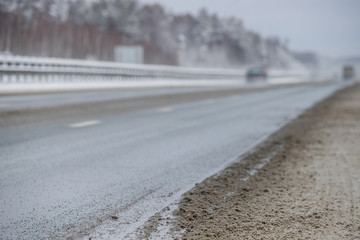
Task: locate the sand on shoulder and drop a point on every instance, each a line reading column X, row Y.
column 303, row 183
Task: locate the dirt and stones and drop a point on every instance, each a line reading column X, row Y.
column 304, row 183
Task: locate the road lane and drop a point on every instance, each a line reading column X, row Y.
column 25, row 125
column 21, row 102
column 58, row 181
column 48, row 100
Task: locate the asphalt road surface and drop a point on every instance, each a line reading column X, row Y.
column 67, row 166
column 46, row 100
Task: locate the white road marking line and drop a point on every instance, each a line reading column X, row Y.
column 165, row 109
column 209, row 101
column 78, row 98
column 235, row 97
column 4, row 105
column 84, row 124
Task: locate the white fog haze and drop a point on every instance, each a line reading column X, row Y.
column 329, row 27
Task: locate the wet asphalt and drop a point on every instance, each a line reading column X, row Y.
column 67, row 166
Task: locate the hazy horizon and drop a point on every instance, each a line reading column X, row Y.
column 329, row 27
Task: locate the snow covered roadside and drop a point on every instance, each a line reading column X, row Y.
column 48, row 87
column 18, row 88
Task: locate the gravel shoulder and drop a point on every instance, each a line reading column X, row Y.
column 303, row 183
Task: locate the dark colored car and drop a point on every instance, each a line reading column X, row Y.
column 256, row 73
column 348, row 72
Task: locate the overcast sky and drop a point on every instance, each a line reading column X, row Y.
column 329, row 27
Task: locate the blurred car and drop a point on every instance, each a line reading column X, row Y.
column 348, row 72
column 256, row 73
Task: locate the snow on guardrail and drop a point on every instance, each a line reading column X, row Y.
column 13, row 67
column 20, row 73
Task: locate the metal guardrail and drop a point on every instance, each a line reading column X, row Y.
column 14, row 69
column 20, row 73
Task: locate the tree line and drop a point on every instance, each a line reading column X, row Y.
column 85, row 29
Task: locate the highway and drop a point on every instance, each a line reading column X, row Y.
column 70, row 161
column 47, row 100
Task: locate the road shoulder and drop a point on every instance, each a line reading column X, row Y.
column 303, row 183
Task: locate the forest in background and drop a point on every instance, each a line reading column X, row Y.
column 91, row 29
